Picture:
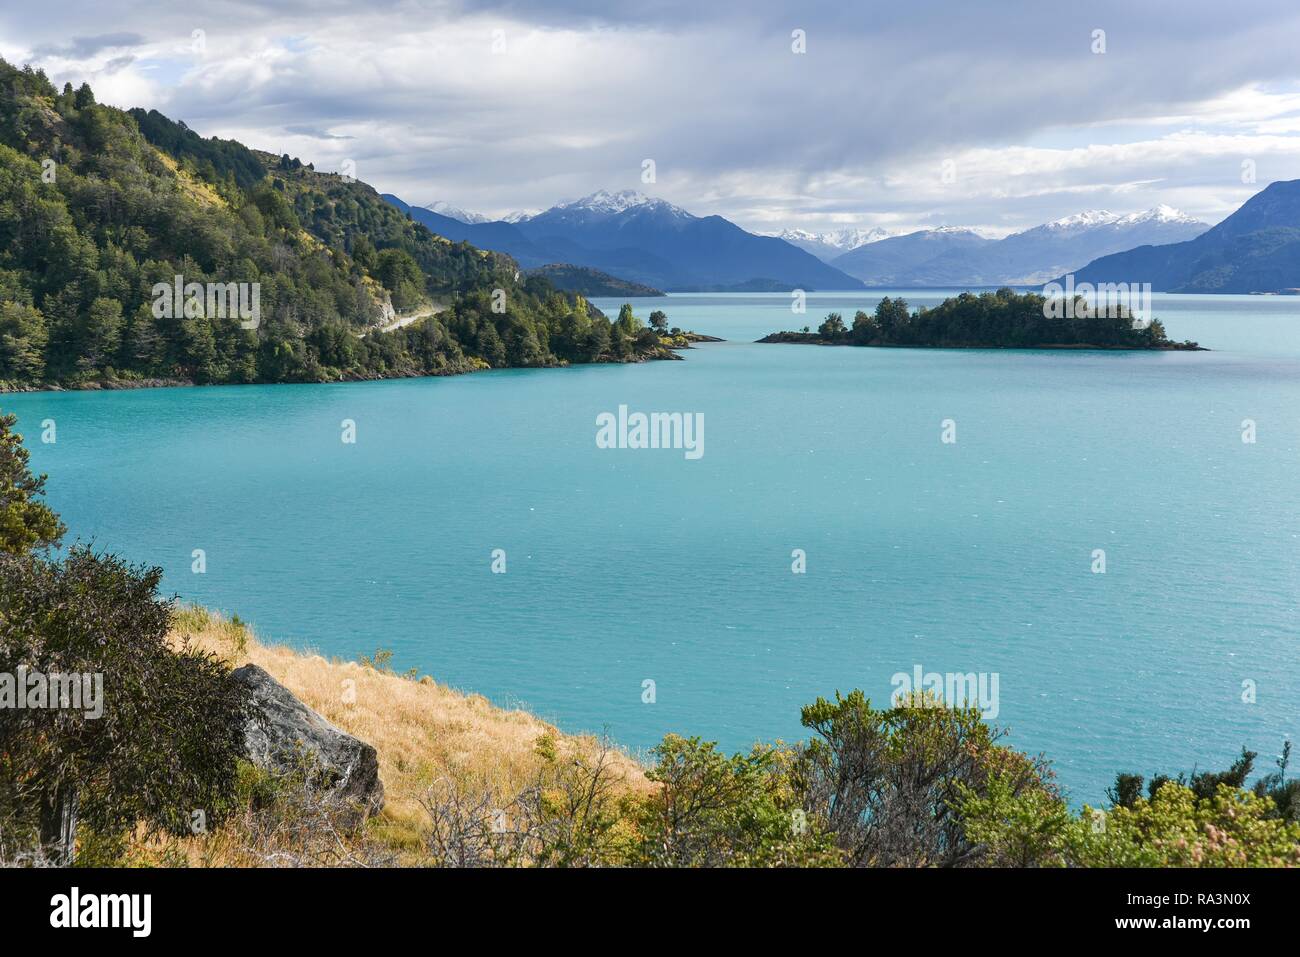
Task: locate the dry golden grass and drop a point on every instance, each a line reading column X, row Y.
column 196, row 189
column 423, row 731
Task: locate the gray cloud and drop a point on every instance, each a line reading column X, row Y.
column 299, row 129
column 118, row 63
column 1036, row 125
column 82, row 47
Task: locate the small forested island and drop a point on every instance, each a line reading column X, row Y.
column 991, row 320
column 280, row 273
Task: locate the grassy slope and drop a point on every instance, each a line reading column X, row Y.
column 423, row 731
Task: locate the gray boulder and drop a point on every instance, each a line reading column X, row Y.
column 286, row 736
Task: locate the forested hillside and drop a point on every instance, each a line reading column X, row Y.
column 97, row 206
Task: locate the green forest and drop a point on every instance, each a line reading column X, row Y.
column 98, row 206
column 992, row 320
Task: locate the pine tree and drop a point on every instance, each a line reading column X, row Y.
column 26, row 522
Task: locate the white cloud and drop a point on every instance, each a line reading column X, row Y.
column 853, row 132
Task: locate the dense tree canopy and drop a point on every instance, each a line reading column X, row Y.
column 1001, row 319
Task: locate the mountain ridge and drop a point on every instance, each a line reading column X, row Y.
column 643, row 240
column 949, row 256
column 1256, row 249
column 827, row 245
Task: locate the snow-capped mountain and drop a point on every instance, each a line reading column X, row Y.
column 1256, row 249
column 1157, row 215
column 888, row 262
column 826, row 246
column 456, row 213
column 1038, row 255
column 1030, row 257
column 643, row 239
column 603, row 204
column 649, row 240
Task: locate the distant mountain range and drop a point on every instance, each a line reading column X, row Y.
column 827, row 246
column 455, row 212
column 643, row 240
column 1256, row 249
column 896, row 261
column 959, row 257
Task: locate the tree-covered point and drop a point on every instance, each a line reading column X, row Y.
column 97, row 206
column 993, row 320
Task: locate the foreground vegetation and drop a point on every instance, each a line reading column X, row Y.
column 160, row 777
column 991, row 320
column 98, row 206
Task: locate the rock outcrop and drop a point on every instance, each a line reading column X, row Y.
column 286, row 736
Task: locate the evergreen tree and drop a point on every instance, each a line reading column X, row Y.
column 26, row 522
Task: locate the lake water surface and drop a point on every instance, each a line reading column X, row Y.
column 627, row 565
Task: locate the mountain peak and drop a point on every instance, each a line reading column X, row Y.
column 456, row 213
column 603, row 201
column 1086, row 219
column 1256, row 249
column 843, row 239
column 964, row 232
column 1162, row 213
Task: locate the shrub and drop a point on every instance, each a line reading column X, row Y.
column 712, row 810
column 162, row 753
column 574, row 814
column 1176, row 828
column 888, row 783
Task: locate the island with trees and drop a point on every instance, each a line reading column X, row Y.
column 992, row 320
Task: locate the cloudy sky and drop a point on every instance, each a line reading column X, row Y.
column 999, row 115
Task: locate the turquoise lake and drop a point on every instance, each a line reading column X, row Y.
column 629, row 564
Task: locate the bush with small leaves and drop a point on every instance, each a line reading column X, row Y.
column 171, row 723
column 717, row 811
column 1176, row 828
